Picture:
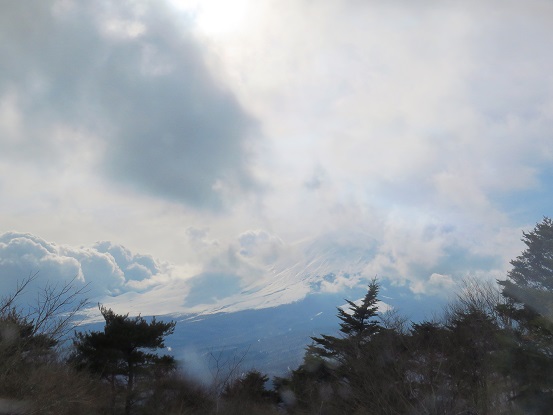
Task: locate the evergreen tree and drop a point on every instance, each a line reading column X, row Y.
column 118, row 352
column 353, row 364
column 534, row 267
column 473, row 345
column 357, row 326
column 249, row 387
column 529, row 286
column 529, row 293
column 430, row 382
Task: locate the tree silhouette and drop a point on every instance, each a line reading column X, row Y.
column 358, row 325
column 529, row 294
column 32, row 377
column 353, row 364
column 118, row 352
column 250, row 386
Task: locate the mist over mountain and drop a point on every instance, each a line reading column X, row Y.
column 138, row 283
column 267, row 322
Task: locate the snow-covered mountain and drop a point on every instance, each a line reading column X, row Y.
column 328, row 264
column 273, row 339
column 261, row 296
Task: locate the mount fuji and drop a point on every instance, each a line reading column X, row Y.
column 268, row 322
column 257, row 297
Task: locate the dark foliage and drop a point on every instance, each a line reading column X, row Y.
column 118, row 352
column 33, row 380
column 529, row 291
column 359, row 324
column 174, row 393
column 491, row 353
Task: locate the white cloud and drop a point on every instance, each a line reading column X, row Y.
column 382, row 306
column 23, row 254
column 261, row 245
column 412, row 105
column 399, row 140
column 437, row 284
column 340, row 282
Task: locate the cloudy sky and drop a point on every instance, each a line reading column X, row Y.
column 195, row 150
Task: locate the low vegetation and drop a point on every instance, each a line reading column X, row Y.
column 491, row 352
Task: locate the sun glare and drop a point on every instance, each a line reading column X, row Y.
column 216, row 17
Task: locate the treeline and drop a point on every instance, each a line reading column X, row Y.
column 490, row 352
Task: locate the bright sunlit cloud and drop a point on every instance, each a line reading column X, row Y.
column 216, row 18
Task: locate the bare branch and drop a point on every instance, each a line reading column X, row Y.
column 225, row 369
column 477, row 295
column 55, row 307
column 8, row 302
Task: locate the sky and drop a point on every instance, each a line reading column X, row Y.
column 182, row 154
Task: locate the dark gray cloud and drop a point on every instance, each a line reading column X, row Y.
column 137, row 83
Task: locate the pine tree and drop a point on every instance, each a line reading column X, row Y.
column 529, row 286
column 365, row 369
column 358, row 325
column 534, row 267
column 118, row 352
column 529, row 294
